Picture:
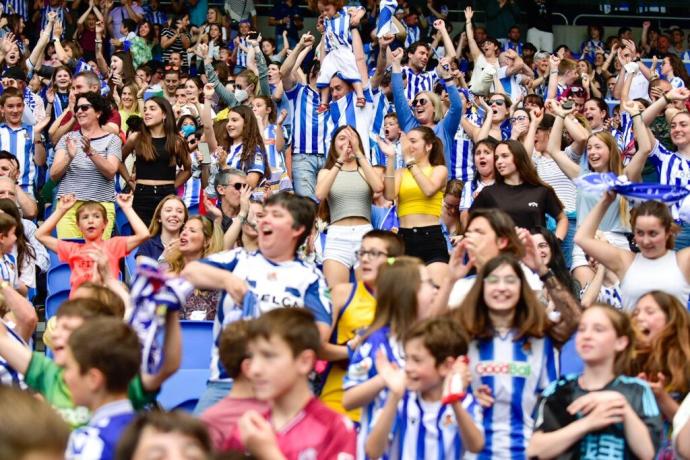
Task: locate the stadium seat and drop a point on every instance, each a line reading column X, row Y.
column 58, row 278
column 121, row 223
column 197, row 339
column 54, row 300
column 183, row 389
column 130, row 265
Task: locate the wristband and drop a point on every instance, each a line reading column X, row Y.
column 409, row 164
column 339, row 164
column 549, row 273
column 638, row 114
column 668, row 101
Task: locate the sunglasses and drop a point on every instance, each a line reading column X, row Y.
column 83, row 107
column 498, row 102
column 171, row 67
column 192, row 141
column 421, row 102
column 520, row 118
column 237, row 186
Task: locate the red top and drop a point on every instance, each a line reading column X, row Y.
column 221, row 418
column 82, row 265
column 317, row 432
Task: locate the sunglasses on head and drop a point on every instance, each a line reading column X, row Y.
column 498, row 102
column 420, row 101
column 83, row 107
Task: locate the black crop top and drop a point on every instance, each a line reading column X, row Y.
column 158, row 169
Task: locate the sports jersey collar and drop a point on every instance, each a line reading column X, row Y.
column 113, row 409
column 23, row 127
column 275, row 264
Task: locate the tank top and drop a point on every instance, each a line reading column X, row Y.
column 350, row 196
column 411, row 199
column 356, row 314
column 661, row 274
column 159, row 168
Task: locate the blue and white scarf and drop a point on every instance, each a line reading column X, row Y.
column 604, row 182
column 154, row 294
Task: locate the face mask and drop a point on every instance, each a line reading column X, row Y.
column 187, row 130
column 241, row 95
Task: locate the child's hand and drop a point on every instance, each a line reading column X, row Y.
column 392, row 375
column 587, row 403
column 124, row 200
column 483, row 396
column 101, row 267
column 658, row 386
column 65, row 202
column 257, row 435
column 387, row 148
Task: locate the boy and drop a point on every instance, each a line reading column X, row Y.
column 221, row 419
column 47, row 377
column 273, row 276
column 101, row 358
column 424, row 425
column 282, row 349
column 354, row 305
column 92, row 221
column 391, row 134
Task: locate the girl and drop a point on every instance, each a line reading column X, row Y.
column 603, row 156
column 168, row 218
column 520, row 191
column 596, row 113
column 61, row 85
column 662, row 348
column 199, row 238
column 345, row 187
column 141, row 46
column 450, row 213
column 121, row 69
column 25, row 249
column 418, row 190
column 509, row 328
column 589, row 47
column 485, row 173
column 404, row 290
column 496, row 119
column 246, row 150
column 274, row 141
column 673, row 69
column 600, row 412
column 85, row 32
column 127, row 103
column 162, row 158
column 485, row 59
column 656, row 266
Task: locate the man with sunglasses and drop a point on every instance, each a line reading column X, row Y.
column 228, row 185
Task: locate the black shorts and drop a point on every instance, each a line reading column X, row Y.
column 427, row 243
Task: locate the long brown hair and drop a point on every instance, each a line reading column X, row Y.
column 530, row 318
column 669, row 351
column 524, row 165
column 252, row 140
column 396, row 295
column 436, row 157
column 174, row 143
column 623, row 326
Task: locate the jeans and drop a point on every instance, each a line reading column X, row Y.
column 215, row 391
column 147, row 197
column 304, row 171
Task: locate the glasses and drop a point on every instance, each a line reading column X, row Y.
column 510, row 280
column 421, row 102
column 237, row 186
column 498, row 102
column 374, row 254
column 514, row 120
column 83, row 107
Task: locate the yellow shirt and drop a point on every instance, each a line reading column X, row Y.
column 356, row 315
column 411, row 199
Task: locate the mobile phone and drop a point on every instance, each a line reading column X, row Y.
column 205, row 153
column 253, row 35
column 567, row 105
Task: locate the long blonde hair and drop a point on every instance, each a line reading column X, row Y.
column 213, row 242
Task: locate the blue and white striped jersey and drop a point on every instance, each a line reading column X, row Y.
column 20, row 7
column 20, row 143
column 517, row 47
column 461, row 162
column 416, row 83
column 344, row 111
column 98, row 440
column 429, row 430
column 8, row 270
column 8, row 375
column 241, row 54
column 337, row 30
column 274, row 284
column 384, row 23
column 625, row 138
column 308, row 125
column 191, row 190
column 362, row 368
column 673, row 169
column 59, row 10
column 253, row 164
column 414, row 33
column 516, row 371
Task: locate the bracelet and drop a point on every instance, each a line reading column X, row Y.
column 389, row 177
column 638, row 114
column 409, row 164
column 243, row 219
column 338, row 164
column 668, row 101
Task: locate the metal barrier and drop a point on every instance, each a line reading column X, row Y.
column 629, row 17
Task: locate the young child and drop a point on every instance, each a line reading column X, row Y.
column 8, row 264
column 600, row 413
column 92, row 221
column 414, row 422
column 354, row 305
column 403, row 288
column 282, row 350
column 239, row 52
column 271, row 128
column 46, row 376
column 391, row 132
column 336, row 22
column 221, row 418
column 101, row 359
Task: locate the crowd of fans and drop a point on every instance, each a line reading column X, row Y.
column 412, row 241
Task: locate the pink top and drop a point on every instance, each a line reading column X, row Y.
column 221, row 418
column 82, row 265
column 317, row 432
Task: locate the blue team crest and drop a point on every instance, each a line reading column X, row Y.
column 362, row 368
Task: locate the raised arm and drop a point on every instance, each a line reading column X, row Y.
column 43, row 233
column 406, row 119
column 644, row 143
column 141, row 231
column 440, row 25
column 553, row 147
column 207, row 117
column 305, row 43
column 474, row 48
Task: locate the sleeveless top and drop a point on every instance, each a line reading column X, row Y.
column 661, row 274
column 411, row 199
column 159, row 168
column 357, row 314
column 350, row 196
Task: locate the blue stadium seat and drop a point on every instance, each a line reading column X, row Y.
column 54, row 300
column 130, row 265
column 571, row 363
column 121, row 223
column 183, row 389
column 58, row 278
column 197, row 339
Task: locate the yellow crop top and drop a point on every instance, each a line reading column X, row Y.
column 411, row 199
